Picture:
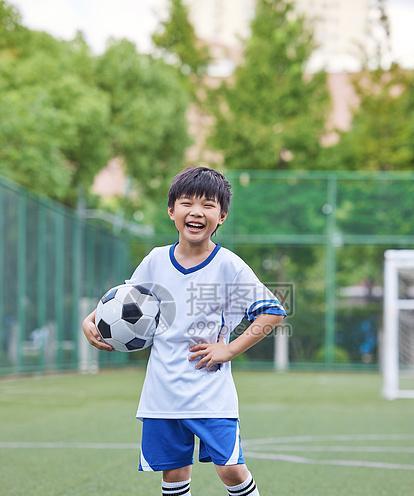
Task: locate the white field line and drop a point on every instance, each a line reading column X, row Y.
column 343, row 449
column 346, row 463
column 341, row 437
column 265, row 456
column 65, row 445
column 131, row 446
column 247, row 443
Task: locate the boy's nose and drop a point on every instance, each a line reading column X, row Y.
column 196, row 213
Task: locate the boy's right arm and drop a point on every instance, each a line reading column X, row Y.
column 92, row 333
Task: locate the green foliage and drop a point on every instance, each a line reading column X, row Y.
column 178, row 39
column 382, row 133
column 11, row 29
column 148, row 123
column 30, row 142
column 271, row 115
column 66, row 112
column 382, row 129
column 53, row 133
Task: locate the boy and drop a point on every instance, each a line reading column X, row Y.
column 188, row 388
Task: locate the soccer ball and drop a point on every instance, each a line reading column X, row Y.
column 127, row 317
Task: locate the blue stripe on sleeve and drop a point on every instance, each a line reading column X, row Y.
column 273, row 300
column 267, row 306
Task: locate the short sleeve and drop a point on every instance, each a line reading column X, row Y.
column 248, row 297
column 142, row 274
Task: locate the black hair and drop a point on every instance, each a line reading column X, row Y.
column 199, row 182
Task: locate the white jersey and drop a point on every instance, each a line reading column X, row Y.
column 198, row 305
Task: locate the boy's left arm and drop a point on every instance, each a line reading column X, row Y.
column 215, row 353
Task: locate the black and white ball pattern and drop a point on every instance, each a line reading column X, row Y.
column 127, row 317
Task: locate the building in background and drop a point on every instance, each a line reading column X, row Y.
column 340, row 26
column 111, row 180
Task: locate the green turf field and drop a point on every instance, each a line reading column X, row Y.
column 303, row 434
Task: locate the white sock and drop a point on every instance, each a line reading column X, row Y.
column 248, row 487
column 181, row 488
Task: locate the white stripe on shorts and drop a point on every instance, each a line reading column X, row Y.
column 144, row 464
column 236, row 450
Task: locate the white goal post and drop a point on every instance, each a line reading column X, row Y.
column 398, row 338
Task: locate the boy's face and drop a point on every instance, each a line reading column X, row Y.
column 188, row 212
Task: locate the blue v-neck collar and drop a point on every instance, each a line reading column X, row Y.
column 205, row 262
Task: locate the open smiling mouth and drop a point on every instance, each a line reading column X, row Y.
column 194, row 226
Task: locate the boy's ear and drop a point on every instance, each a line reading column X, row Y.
column 223, row 217
column 170, row 212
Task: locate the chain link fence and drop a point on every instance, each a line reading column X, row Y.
column 325, row 233
column 317, row 238
column 53, row 267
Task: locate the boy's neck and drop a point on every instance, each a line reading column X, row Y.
column 188, row 249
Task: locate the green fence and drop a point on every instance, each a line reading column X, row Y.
column 326, row 233
column 320, row 236
column 53, row 267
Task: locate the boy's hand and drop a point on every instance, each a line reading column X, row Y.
column 92, row 333
column 213, row 354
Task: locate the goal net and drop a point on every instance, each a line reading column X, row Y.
column 398, row 337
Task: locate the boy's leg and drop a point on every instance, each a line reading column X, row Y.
column 176, row 482
column 238, row 480
column 231, row 475
column 220, row 443
column 177, row 474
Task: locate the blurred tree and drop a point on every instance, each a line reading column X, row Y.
column 30, row 142
column 148, row 124
column 178, row 41
column 56, row 138
column 381, row 135
column 11, row 30
column 271, row 114
column 73, row 111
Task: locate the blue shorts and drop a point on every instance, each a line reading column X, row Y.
column 169, row 443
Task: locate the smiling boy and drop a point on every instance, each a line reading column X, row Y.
column 188, row 389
